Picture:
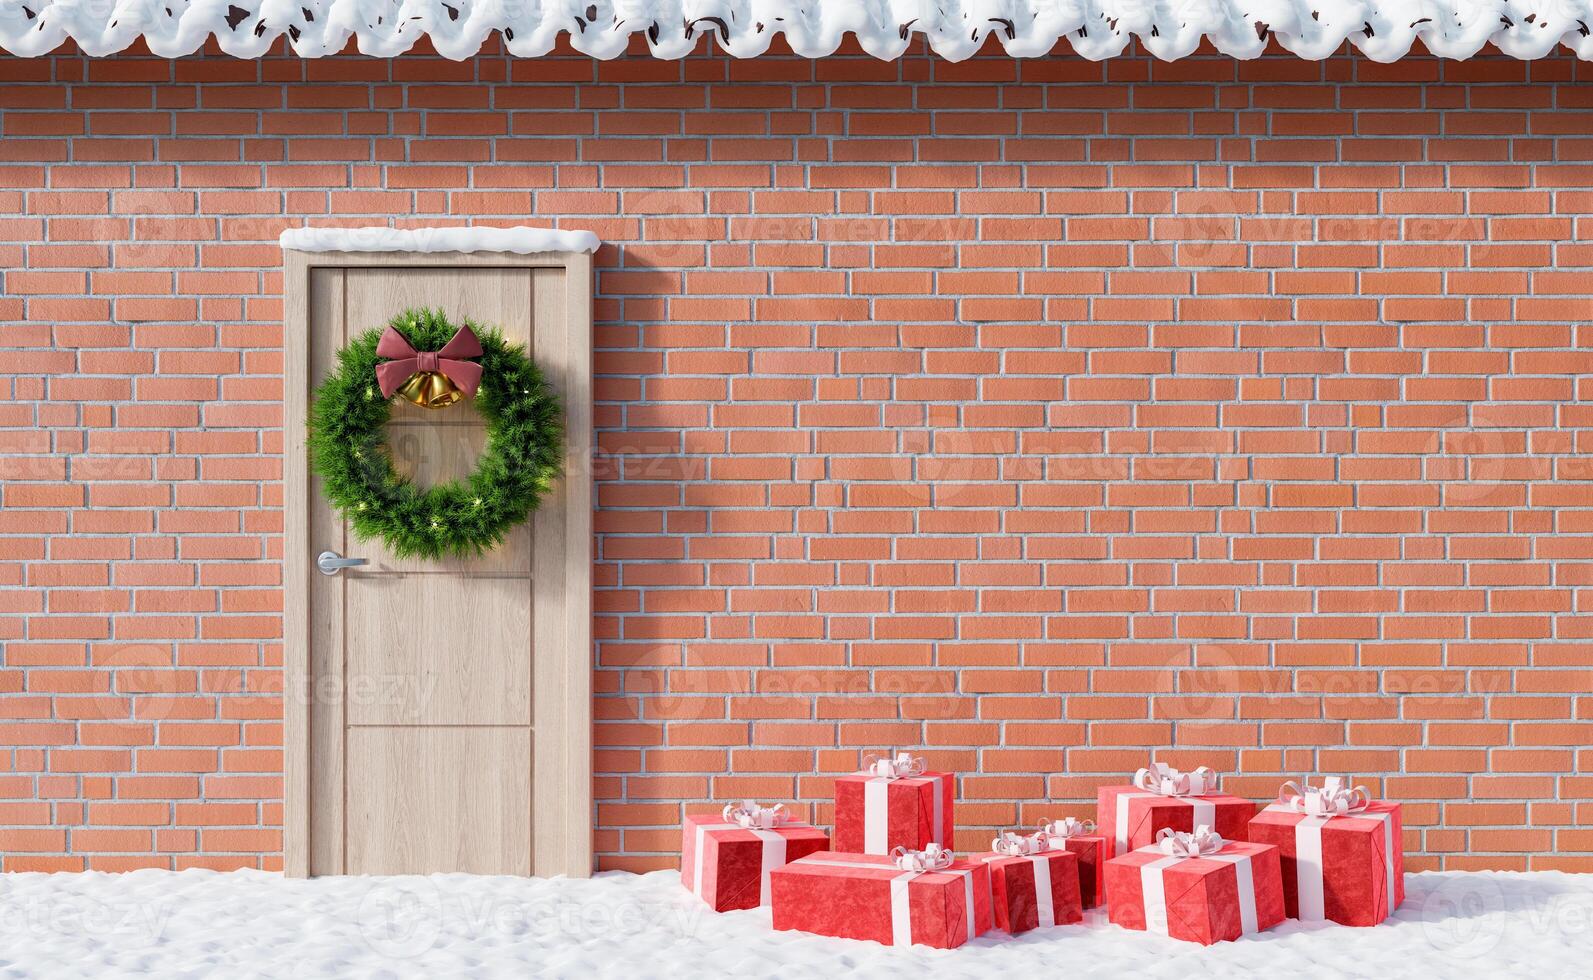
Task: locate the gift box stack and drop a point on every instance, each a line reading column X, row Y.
column 890, row 877
column 1196, row 864
column 1172, row 855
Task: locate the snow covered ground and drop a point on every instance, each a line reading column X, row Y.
column 199, row 923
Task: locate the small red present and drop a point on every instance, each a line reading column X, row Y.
column 892, row 803
column 922, row 897
column 1080, row 837
column 1342, row 852
column 726, row 860
column 1162, row 798
column 1196, row 887
column 1032, row 883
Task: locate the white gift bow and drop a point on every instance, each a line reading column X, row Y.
column 1015, row 845
column 931, row 858
column 1067, row 827
column 903, row 765
column 1332, row 799
column 1176, row 843
column 754, row 817
column 1164, row 780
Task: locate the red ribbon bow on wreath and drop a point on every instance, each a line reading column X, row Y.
column 405, row 361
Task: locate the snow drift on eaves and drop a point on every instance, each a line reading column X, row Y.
column 1384, row 30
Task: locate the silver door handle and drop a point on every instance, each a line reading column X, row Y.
column 330, row 562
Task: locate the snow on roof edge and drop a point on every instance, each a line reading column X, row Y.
column 1383, row 30
column 519, row 240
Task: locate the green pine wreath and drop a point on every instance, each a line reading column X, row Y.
column 348, row 447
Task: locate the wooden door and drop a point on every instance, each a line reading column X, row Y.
column 439, row 710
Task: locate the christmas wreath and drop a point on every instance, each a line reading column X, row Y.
column 424, row 357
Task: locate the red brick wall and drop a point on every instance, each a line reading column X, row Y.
column 1030, row 414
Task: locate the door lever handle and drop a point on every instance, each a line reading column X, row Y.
column 330, row 562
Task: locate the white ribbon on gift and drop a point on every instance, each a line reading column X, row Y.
column 1203, row 841
column 761, row 820
column 1067, row 827
column 932, row 859
column 1164, row 780
column 1009, row 844
column 754, row 817
column 1177, row 847
column 893, row 767
column 1034, row 847
column 885, row 770
column 1334, row 798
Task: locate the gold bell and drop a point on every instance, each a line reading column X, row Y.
column 429, row 389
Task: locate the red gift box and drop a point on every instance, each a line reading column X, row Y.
column 1032, row 884
column 1342, row 853
column 1162, row 798
column 892, row 803
column 871, row 896
column 726, row 862
column 1196, row 887
column 1080, row 837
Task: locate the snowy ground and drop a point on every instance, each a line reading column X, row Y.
column 199, row 923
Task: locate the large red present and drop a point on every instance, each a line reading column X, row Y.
column 922, row 897
column 1032, row 883
column 892, row 803
column 1196, row 887
column 1342, row 852
column 1162, row 798
column 1080, row 837
column 726, row 859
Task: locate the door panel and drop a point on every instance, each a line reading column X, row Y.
column 424, row 800
column 438, row 650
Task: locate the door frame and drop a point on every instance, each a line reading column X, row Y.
column 561, row 719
